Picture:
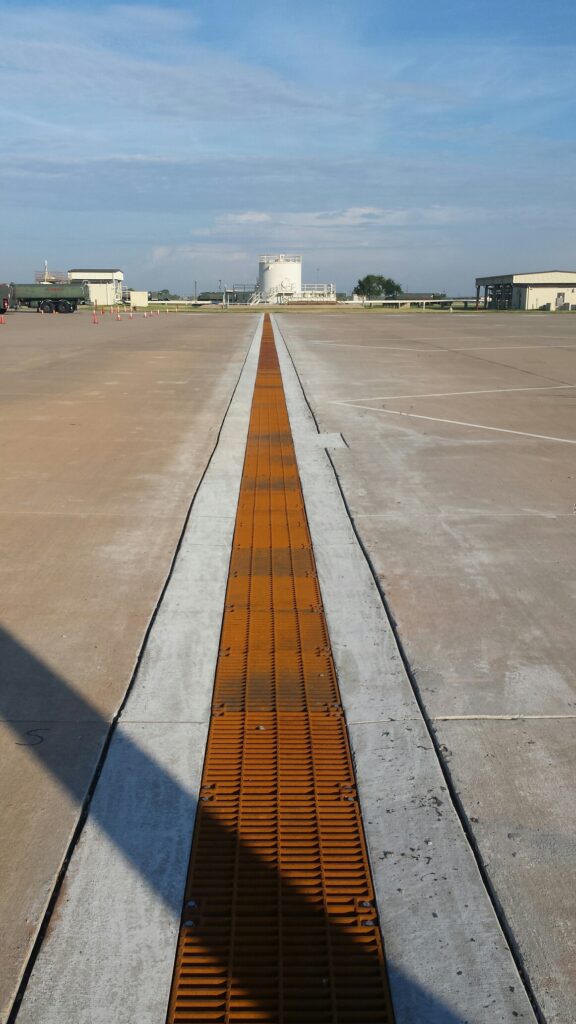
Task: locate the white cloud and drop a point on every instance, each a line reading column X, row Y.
column 366, row 217
column 249, row 217
column 176, row 254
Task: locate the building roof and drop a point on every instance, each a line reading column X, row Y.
column 536, row 277
column 95, row 270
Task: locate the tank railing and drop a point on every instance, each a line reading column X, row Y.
column 280, row 289
column 276, row 258
column 293, row 294
column 50, row 277
column 270, row 293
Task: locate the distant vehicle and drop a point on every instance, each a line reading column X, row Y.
column 49, row 297
column 4, row 297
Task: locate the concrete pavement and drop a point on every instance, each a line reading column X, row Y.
column 463, row 503
column 460, row 479
column 109, row 950
column 106, row 431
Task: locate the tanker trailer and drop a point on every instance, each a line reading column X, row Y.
column 49, row 298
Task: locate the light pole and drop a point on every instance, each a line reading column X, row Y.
column 195, row 291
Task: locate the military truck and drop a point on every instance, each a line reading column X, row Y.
column 50, row 297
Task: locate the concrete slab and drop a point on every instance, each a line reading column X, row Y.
column 509, row 581
column 109, row 951
column 106, row 432
column 527, row 839
column 448, row 959
column 329, row 440
column 471, row 534
column 57, row 602
column 39, row 816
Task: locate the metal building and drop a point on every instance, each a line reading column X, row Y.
column 105, row 286
column 548, row 289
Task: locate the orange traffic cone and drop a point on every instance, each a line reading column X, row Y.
column 2, row 320
column 95, row 319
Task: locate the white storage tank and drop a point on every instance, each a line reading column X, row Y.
column 279, row 277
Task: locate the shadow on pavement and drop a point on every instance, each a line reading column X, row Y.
column 31, row 693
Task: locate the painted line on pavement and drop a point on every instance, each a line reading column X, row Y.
column 484, row 718
column 463, row 514
column 437, row 350
column 454, row 394
column 458, row 423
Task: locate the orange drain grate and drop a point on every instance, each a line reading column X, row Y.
column 279, row 922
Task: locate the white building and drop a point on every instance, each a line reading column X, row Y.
column 280, row 281
column 548, row 289
column 138, row 299
column 105, row 286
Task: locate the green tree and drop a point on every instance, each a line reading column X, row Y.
column 374, row 286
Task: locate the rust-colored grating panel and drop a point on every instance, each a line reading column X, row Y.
column 279, row 922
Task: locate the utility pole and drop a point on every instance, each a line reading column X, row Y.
column 195, row 291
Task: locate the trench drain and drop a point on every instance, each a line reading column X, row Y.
column 279, row 921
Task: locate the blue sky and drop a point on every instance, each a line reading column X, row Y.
column 428, row 142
